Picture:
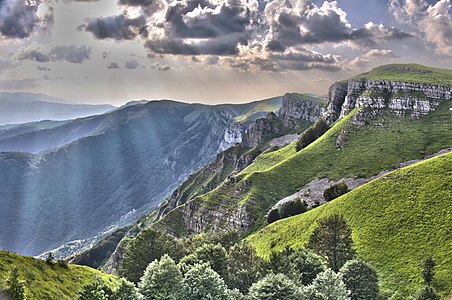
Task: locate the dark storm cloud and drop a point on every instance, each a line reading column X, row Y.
column 119, row 27
column 18, row 18
column 71, row 53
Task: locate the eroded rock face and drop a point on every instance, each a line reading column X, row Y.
column 293, row 110
column 403, row 98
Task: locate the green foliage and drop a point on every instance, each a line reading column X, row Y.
column 336, row 190
column 15, row 287
column 44, row 281
column 126, row 291
column 360, row 279
column 312, row 133
column 244, row 267
column 428, row 273
column 273, row 216
column 149, row 245
column 328, row 285
column 215, row 255
column 95, row 290
column 428, row 293
column 292, row 208
column 161, row 280
column 332, row 239
column 203, row 283
column 49, row 258
column 274, row 287
column 395, row 219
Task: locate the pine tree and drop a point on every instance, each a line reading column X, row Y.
column 428, row 273
column 161, row 280
column 15, row 287
column 332, row 239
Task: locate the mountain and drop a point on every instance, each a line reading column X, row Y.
column 397, row 220
column 99, row 172
column 376, row 125
column 44, row 280
column 27, row 107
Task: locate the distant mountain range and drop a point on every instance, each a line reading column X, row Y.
column 18, row 108
column 102, row 171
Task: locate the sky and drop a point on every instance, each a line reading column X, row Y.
column 210, row 51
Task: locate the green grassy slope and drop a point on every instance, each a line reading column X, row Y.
column 362, row 152
column 43, row 281
column 410, row 73
column 397, row 220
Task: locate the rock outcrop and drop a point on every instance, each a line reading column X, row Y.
column 410, row 98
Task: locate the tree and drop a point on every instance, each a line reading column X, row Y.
column 312, row 133
column 335, row 190
column 292, row 208
column 244, row 267
column 328, row 285
column 305, row 266
column 332, row 239
column 149, row 245
column 428, row 273
column 161, row 280
column 274, row 287
column 273, row 216
column 215, row 255
column 203, row 283
column 15, row 287
column 126, row 291
column 49, row 258
column 279, row 262
column 95, row 290
column 361, row 279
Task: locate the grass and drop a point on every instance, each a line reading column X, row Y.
column 397, row 220
column 49, row 281
column 410, row 73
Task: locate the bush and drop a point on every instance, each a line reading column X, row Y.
column 126, row 291
column 292, row 208
column 62, row 263
column 361, row 279
column 273, row 216
column 15, row 287
column 312, row 133
column 274, row 287
column 96, row 290
column 335, row 191
column 215, row 255
column 428, row 293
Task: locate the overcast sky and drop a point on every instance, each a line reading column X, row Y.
column 212, row 51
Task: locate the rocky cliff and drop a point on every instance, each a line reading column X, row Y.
column 414, row 99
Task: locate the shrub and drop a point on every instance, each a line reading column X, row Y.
column 335, row 191
column 328, row 285
column 292, row 208
column 273, row 216
column 312, row 133
column 203, row 283
column 15, row 287
column 274, row 287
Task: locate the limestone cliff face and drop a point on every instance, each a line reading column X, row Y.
column 293, row 111
column 410, row 98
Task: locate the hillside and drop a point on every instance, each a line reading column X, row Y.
column 28, row 107
column 348, row 149
column 135, row 156
column 397, row 220
column 49, row 281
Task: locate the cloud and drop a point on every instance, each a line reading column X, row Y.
column 320, row 79
column 42, row 68
column 70, row 53
column 370, row 56
column 434, row 21
column 293, row 24
column 158, row 67
column 131, row 64
column 18, row 18
column 113, row 65
column 120, row 27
